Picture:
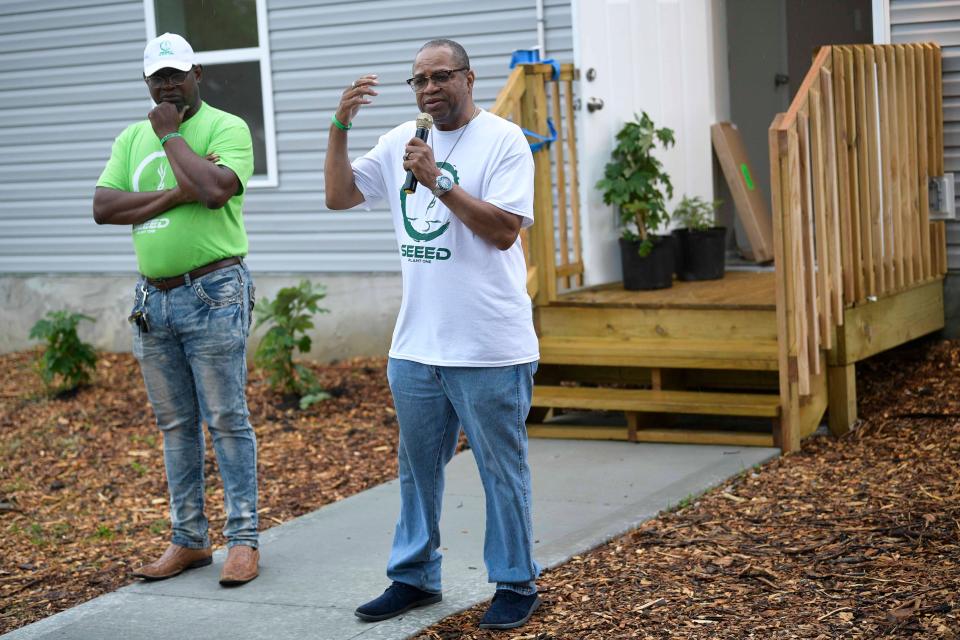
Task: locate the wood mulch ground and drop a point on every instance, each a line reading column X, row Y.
column 82, row 490
column 856, row 538
column 852, row 538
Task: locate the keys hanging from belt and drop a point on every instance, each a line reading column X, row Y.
column 139, row 316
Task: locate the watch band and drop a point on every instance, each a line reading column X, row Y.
column 437, row 190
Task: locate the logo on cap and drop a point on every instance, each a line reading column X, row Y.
column 165, row 49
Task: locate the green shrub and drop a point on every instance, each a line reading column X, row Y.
column 290, row 316
column 635, row 181
column 696, row 213
column 67, row 362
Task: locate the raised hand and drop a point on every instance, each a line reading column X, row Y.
column 166, row 118
column 355, row 96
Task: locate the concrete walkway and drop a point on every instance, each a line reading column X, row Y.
column 318, row 568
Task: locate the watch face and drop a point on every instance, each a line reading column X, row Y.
column 445, row 183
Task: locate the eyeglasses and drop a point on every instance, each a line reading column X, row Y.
column 174, row 79
column 419, row 83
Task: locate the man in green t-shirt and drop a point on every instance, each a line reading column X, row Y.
column 178, row 179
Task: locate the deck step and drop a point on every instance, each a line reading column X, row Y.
column 655, row 401
column 666, row 352
column 679, row 436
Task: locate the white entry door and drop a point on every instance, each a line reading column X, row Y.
column 642, row 55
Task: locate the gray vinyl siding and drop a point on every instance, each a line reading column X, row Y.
column 70, row 82
column 938, row 21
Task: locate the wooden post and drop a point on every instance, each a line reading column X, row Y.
column 561, row 171
column 821, row 210
column 567, row 76
column 833, row 200
column 893, row 111
column 923, row 155
column 842, row 390
column 872, row 166
column 853, row 174
column 807, row 225
column 884, row 89
column 864, row 179
column 838, row 115
column 938, row 107
column 787, row 433
column 797, row 295
column 903, row 170
column 542, row 250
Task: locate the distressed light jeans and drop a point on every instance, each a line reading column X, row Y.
column 193, row 360
column 491, row 405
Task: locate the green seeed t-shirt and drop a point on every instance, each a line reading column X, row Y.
column 190, row 235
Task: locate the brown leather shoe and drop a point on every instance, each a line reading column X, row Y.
column 175, row 559
column 241, row 565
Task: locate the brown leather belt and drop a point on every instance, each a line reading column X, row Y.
column 178, row 281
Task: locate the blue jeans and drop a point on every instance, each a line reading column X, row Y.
column 193, row 360
column 491, row 404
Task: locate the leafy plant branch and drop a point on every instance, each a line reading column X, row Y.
column 290, row 317
column 635, row 181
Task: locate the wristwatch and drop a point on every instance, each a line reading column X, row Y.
column 443, row 185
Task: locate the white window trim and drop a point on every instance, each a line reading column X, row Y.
column 881, row 21
column 261, row 53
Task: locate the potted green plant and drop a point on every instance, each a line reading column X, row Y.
column 700, row 245
column 635, row 182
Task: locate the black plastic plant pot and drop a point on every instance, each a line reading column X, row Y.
column 703, row 254
column 653, row 271
column 677, row 235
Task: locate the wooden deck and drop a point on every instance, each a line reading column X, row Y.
column 704, row 349
column 858, row 268
column 737, row 290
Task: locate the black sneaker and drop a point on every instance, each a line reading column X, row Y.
column 398, row 598
column 509, row 610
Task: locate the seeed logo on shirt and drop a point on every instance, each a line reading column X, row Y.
column 425, row 228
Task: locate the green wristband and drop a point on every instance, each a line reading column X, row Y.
column 340, row 125
column 175, row 134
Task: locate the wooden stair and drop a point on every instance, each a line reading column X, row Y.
column 696, row 363
column 655, row 401
column 753, row 405
column 660, row 352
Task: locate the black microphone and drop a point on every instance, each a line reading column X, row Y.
column 424, row 122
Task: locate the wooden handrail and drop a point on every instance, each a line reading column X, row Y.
column 510, row 94
column 849, row 163
column 531, row 97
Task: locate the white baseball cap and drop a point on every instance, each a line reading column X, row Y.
column 167, row 50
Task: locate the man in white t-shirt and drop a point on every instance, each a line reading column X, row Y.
column 464, row 349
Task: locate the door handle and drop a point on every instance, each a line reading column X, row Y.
column 780, row 79
column 594, row 104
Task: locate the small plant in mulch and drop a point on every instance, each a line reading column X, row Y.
column 289, row 316
column 66, row 362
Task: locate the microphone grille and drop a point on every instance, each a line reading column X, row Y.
column 424, row 121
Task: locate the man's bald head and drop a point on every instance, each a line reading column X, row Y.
column 460, row 57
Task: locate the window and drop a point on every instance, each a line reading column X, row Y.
column 230, row 39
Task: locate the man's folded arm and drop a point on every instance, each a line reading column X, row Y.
column 214, row 184
column 113, row 206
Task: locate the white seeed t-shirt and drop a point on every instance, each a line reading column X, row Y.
column 465, row 302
